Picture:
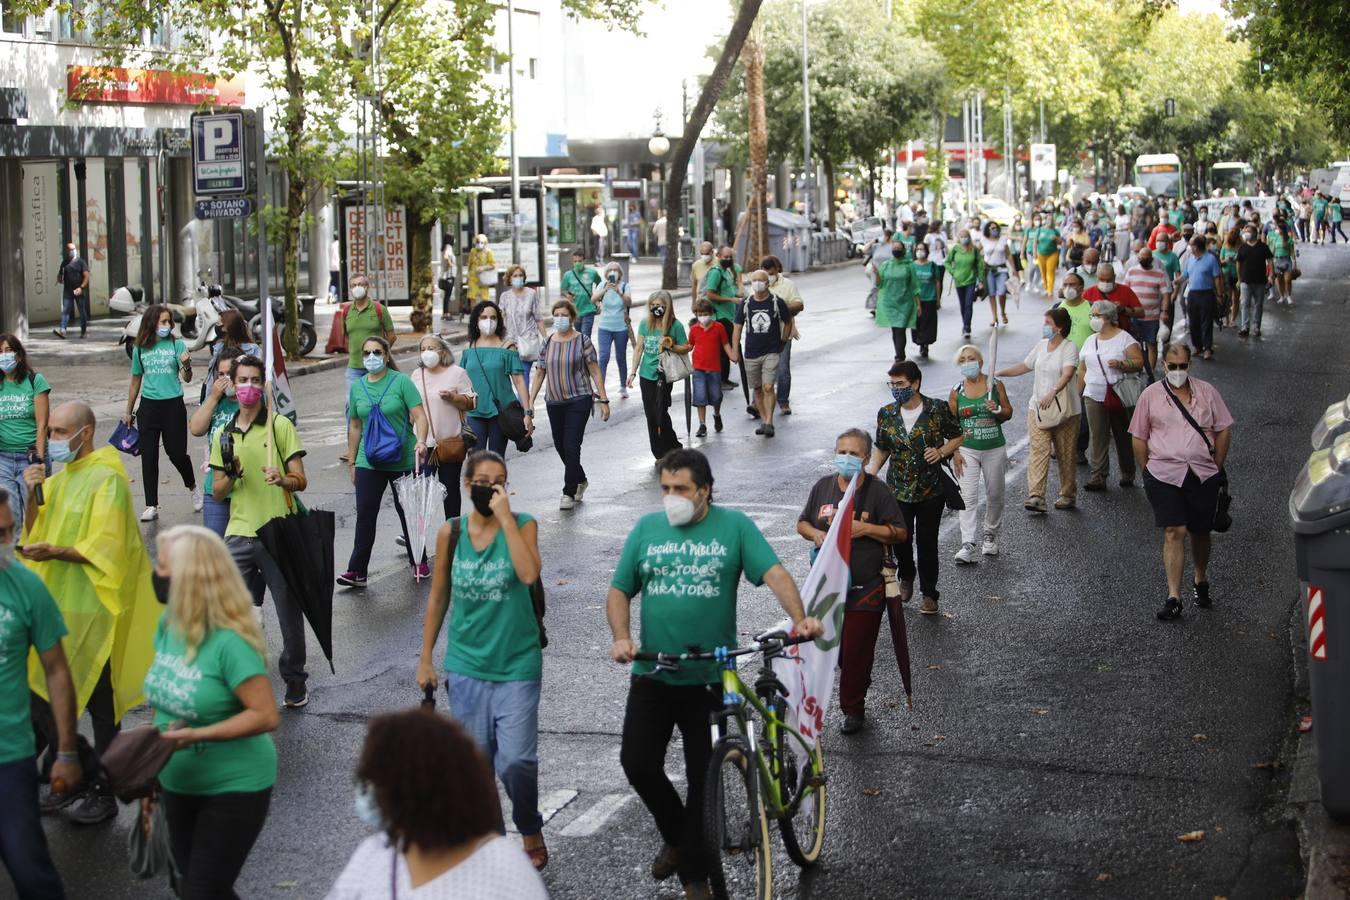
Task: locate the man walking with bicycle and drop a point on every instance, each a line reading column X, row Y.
column 687, row 563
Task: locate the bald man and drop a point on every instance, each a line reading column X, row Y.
column 83, row 541
column 699, row 269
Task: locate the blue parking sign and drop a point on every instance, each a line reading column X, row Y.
column 221, row 153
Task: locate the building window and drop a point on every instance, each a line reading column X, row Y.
column 11, row 22
column 71, row 25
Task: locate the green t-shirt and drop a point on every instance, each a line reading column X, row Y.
column 1337, row 214
column 254, row 502
column 493, row 633
column 490, row 370
column 361, row 325
column 982, row 430
column 28, row 618
column 651, row 347
column 158, row 368
column 923, row 274
column 201, row 693
column 1080, row 317
column 723, row 283
column 1176, row 217
column 18, row 425
column 225, row 409
column 1045, row 240
column 1278, row 243
column 397, row 396
column 580, row 287
column 1319, row 210
column 688, row 577
column 1170, row 262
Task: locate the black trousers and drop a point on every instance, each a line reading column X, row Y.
column 656, row 406
column 1201, row 308
column 726, row 361
column 210, row 837
column 898, row 341
column 102, row 714
column 163, row 420
column 921, row 520
column 655, row 709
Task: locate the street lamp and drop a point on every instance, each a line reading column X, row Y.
column 658, row 145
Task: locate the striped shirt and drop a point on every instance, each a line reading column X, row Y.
column 566, row 365
column 1149, row 285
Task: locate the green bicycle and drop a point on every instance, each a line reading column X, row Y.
column 754, row 775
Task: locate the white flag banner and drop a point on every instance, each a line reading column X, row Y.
column 808, row 669
column 991, row 364
column 283, row 401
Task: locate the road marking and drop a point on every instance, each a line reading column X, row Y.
column 549, row 805
column 593, row 819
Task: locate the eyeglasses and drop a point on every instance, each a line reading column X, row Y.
column 1178, row 367
column 896, row 384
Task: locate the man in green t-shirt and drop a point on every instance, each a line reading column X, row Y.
column 362, row 319
column 29, row 618
column 722, row 287
column 686, row 562
column 257, row 465
column 577, row 285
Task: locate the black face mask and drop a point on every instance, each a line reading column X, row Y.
column 161, row 584
column 898, row 253
column 481, row 495
column 725, row 263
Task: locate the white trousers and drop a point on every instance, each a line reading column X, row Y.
column 993, row 466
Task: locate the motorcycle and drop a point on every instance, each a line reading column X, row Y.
column 309, row 338
column 130, row 301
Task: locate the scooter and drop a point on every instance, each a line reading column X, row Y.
column 129, row 300
column 309, row 338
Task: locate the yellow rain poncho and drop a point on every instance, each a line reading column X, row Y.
column 109, row 602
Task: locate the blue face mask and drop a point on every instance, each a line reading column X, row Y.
column 366, row 809
column 970, row 369
column 1047, row 332
column 164, row 331
column 374, row 363
column 847, row 466
column 62, row 451
column 903, row 395
column 8, row 362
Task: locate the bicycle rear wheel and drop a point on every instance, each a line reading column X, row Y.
column 735, row 829
column 804, row 831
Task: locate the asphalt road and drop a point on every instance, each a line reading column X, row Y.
column 1060, row 740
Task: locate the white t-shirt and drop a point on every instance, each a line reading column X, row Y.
column 937, row 248
column 995, row 251
column 910, row 416
column 1122, row 222
column 444, row 416
column 1097, row 355
column 497, row 870
column 1049, row 366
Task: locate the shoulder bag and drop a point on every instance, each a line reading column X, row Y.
column 133, row 761
column 510, row 417
column 449, row 449
column 1113, row 402
column 1057, row 412
column 1223, row 519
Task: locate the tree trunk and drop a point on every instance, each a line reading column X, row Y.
column 423, row 291
column 290, row 262
column 829, row 188
column 684, row 148
column 757, row 214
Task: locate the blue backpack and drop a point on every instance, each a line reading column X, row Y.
column 384, row 443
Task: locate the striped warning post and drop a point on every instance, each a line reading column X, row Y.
column 1317, row 632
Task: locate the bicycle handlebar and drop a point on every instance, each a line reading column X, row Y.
column 765, row 643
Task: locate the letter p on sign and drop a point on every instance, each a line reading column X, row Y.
column 217, row 134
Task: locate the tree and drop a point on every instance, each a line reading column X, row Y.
column 698, row 118
column 757, row 213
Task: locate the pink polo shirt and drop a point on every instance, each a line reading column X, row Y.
column 1174, row 447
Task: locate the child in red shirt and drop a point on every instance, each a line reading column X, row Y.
column 710, row 342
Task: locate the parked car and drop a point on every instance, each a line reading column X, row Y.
column 995, row 209
column 862, row 232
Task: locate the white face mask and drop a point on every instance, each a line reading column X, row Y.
column 1177, row 377
column 359, row 292
column 487, row 326
column 679, row 510
column 431, row 359
column 1097, row 323
column 1071, row 293
column 6, row 556
column 759, row 286
column 706, row 257
column 704, row 320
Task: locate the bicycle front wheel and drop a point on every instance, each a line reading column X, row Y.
column 735, row 829
column 804, row 830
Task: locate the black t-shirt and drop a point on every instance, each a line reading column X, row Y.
column 72, row 273
column 762, row 324
column 875, row 504
column 1252, row 262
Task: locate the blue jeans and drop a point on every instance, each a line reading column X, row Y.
column 618, row 340
column 12, row 464
column 785, row 373
column 215, row 514
column 353, row 375
column 489, row 431
column 633, row 243
column 23, row 843
column 586, row 323
column 707, row 389
column 966, row 294
column 567, row 421
column 503, row 719
column 80, row 304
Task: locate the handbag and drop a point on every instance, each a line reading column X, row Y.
column 1056, row 414
column 449, row 449
column 511, row 417
column 675, row 366
column 133, row 761
column 1223, row 518
column 951, row 486
column 126, row 438
column 1114, row 403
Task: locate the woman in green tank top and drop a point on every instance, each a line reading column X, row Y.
column 981, row 407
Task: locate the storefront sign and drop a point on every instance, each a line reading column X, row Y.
column 397, row 259
column 109, row 84
column 42, row 241
column 224, row 208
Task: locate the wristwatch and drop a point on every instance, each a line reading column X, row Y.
column 530, row 413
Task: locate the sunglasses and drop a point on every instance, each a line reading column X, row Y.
column 1178, row 367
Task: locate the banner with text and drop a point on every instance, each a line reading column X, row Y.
column 394, row 266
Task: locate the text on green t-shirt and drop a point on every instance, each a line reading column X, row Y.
column 651, row 347
column 158, row 367
column 18, row 425
column 28, row 618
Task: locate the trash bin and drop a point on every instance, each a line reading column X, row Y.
column 1319, row 511
column 1334, row 423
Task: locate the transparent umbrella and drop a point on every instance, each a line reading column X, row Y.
column 422, row 497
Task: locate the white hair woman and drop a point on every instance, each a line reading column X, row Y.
column 981, row 406
column 447, row 395
column 210, row 692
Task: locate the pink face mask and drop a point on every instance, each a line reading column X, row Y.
column 248, row 394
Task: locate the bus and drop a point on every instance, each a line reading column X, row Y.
column 1237, row 177
column 1159, row 174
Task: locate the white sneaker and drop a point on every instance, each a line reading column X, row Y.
column 257, row 615
column 966, row 555
column 581, row 489
column 198, row 499
column 990, row 547
column 567, row 502
column 150, row 514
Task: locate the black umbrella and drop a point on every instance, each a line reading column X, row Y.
column 301, row 544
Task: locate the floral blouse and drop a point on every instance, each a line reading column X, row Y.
column 910, row 477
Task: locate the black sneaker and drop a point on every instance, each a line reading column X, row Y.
column 52, row 801
column 296, row 695
column 727, row 384
column 96, row 807
column 768, row 431
column 752, row 412
column 665, row 863
column 401, row 540
column 1202, row 597
column 1171, row 610
column 717, row 422
column 852, row 724
column 760, row 429
column 702, row 430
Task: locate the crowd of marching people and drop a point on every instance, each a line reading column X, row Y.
column 1132, row 299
